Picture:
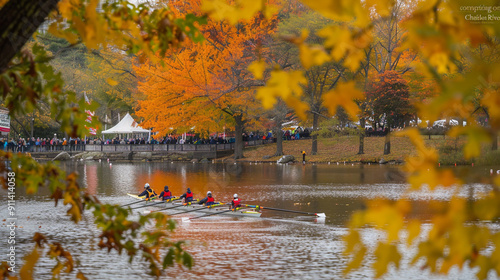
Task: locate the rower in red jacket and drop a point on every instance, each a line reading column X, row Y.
column 188, row 196
column 165, row 194
column 209, row 200
column 236, row 202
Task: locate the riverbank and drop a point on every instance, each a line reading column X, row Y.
column 345, row 149
column 331, row 150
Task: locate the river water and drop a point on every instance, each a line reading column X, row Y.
column 276, row 246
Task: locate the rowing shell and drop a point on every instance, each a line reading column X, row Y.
column 240, row 213
column 217, row 210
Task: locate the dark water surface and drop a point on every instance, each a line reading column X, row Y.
column 276, row 246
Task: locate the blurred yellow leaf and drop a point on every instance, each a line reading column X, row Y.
column 312, row 56
column 385, row 254
column 81, row 276
column 30, row 260
column 257, row 68
column 299, row 106
column 487, row 208
column 413, row 228
column 237, row 10
column 343, row 95
column 285, row 85
column 383, row 7
column 422, row 167
column 356, row 261
column 491, row 100
column 111, row 82
column 56, row 270
column 338, row 38
column 346, row 43
column 353, row 11
column 352, row 239
column 475, row 136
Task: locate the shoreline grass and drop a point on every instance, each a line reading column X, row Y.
column 345, row 148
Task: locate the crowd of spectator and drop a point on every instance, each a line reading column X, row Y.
column 77, row 144
column 41, row 144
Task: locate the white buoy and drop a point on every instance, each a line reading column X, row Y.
column 108, row 159
column 110, row 164
column 328, row 163
column 498, row 171
column 99, row 160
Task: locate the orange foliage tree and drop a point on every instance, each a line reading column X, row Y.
column 206, row 86
column 389, row 95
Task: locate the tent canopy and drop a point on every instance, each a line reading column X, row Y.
column 126, row 125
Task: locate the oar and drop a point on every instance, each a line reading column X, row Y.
column 211, row 214
column 201, row 208
column 161, row 202
column 132, row 203
column 321, row 215
column 183, row 204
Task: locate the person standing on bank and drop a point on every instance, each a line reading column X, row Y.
column 303, row 157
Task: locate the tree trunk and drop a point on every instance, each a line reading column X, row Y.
column 279, row 141
column 19, row 19
column 362, row 137
column 387, row 145
column 314, row 149
column 494, row 142
column 238, row 144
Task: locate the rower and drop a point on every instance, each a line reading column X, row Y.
column 209, row 200
column 188, row 196
column 148, row 192
column 236, row 202
column 165, row 194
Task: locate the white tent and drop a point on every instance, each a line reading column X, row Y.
column 127, row 126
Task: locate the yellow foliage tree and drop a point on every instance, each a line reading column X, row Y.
column 441, row 33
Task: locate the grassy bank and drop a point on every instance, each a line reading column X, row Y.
column 345, row 148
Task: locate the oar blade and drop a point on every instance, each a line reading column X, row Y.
column 320, row 215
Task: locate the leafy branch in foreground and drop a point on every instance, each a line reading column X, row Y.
column 147, row 236
column 449, row 51
column 27, row 80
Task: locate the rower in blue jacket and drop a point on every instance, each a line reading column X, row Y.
column 209, row 200
column 148, row 192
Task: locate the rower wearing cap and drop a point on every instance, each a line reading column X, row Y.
column 236, row 202
column 188, row 196
column 209, row 200
column 165, row 194
column 148, row 192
